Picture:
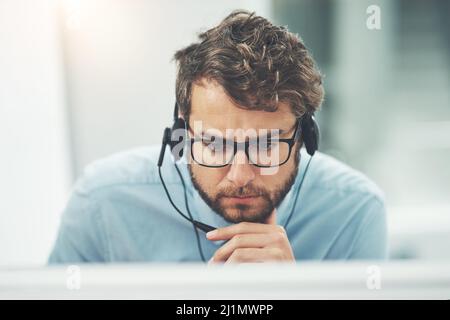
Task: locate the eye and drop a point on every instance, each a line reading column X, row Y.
column 267, row 144
column 213, row 144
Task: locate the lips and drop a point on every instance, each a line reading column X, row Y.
column 244, row 199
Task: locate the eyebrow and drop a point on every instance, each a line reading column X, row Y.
column 205, row 135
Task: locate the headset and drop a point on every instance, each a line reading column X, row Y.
column 309, row 133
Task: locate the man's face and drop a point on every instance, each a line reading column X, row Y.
column 240, row 191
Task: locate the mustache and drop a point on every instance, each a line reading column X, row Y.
column 246, row 191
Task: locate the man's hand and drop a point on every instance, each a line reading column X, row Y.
column 252, row 242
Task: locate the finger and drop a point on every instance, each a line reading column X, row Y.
column 254, row 255
column 250, row 240
column 243, row 227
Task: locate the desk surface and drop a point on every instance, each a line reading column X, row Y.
column 305, row 280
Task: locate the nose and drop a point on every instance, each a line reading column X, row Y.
column 241, row 172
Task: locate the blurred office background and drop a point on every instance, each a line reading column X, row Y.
column 81, row 79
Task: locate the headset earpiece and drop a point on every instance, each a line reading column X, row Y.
column 310, row 133
column 174, row 137
column 177, row 138
column 165, row 142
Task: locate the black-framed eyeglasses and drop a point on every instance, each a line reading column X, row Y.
column 264, row 152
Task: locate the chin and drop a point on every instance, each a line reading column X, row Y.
column 236, row 215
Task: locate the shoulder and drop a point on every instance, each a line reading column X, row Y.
column 341, row 197
column 330, row 175
column 344, row 211
column 132, row 167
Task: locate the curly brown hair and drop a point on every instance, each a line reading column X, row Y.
column 257, row 63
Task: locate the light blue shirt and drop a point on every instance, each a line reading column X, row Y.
column 118, row 212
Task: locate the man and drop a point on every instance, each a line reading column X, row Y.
column 245, row 74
